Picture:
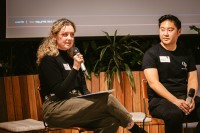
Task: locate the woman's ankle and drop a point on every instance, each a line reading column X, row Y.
column 137, row 129
column 130, row 125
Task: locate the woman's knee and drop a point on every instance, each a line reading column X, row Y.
column 111, row 121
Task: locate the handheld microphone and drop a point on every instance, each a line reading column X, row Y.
column 83, row 68
column 190, row 96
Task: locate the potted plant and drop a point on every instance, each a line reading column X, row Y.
column 119, row 53
column 193, row 27
column 196, row 43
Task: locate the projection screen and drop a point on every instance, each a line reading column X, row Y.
column 33, row 18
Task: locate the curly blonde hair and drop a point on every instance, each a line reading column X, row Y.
column 48, row 45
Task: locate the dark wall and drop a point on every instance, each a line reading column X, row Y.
column 18, row 56
column 2, row 17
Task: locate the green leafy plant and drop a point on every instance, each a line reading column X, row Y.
column 193, row 27
column 116, row 55
column 196, row 43
column 5, row 69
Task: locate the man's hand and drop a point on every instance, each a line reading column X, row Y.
column 183, row 106
column 192, row 106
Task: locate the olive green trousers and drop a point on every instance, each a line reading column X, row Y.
column 102, row 112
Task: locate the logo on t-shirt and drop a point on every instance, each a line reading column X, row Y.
column 164, row 59
column 184, row 65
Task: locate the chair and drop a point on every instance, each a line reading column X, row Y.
column 25, row 125
column 140, row 118
column 192, row 125
column 20, row 124
column 155, row 121
column 47, row 128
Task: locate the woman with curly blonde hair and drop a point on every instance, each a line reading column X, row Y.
column 64, row 89
column 48, row 46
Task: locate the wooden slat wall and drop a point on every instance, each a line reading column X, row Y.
column 3, row 108
column 19, row 97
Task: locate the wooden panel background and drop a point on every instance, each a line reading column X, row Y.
column 19, row 97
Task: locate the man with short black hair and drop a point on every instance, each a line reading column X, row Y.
column 171, row 72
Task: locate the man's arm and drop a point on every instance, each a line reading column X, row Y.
column 152, row 77
column 193, row 81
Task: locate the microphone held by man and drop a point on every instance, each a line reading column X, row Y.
column 190, row 96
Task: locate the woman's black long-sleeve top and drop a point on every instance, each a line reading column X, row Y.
column 58, row 77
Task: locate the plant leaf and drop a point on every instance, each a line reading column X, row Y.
column 108, row 36
column 193, row 27
column 130, row 76
column 119, row 76
column 103, row 52
column 114, row 39
column 96, row 71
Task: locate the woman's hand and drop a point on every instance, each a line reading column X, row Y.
column 78, row 59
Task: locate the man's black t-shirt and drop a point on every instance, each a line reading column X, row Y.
column 172, row 66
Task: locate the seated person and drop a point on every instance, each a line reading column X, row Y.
column 170, row 71
column 62, row 81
